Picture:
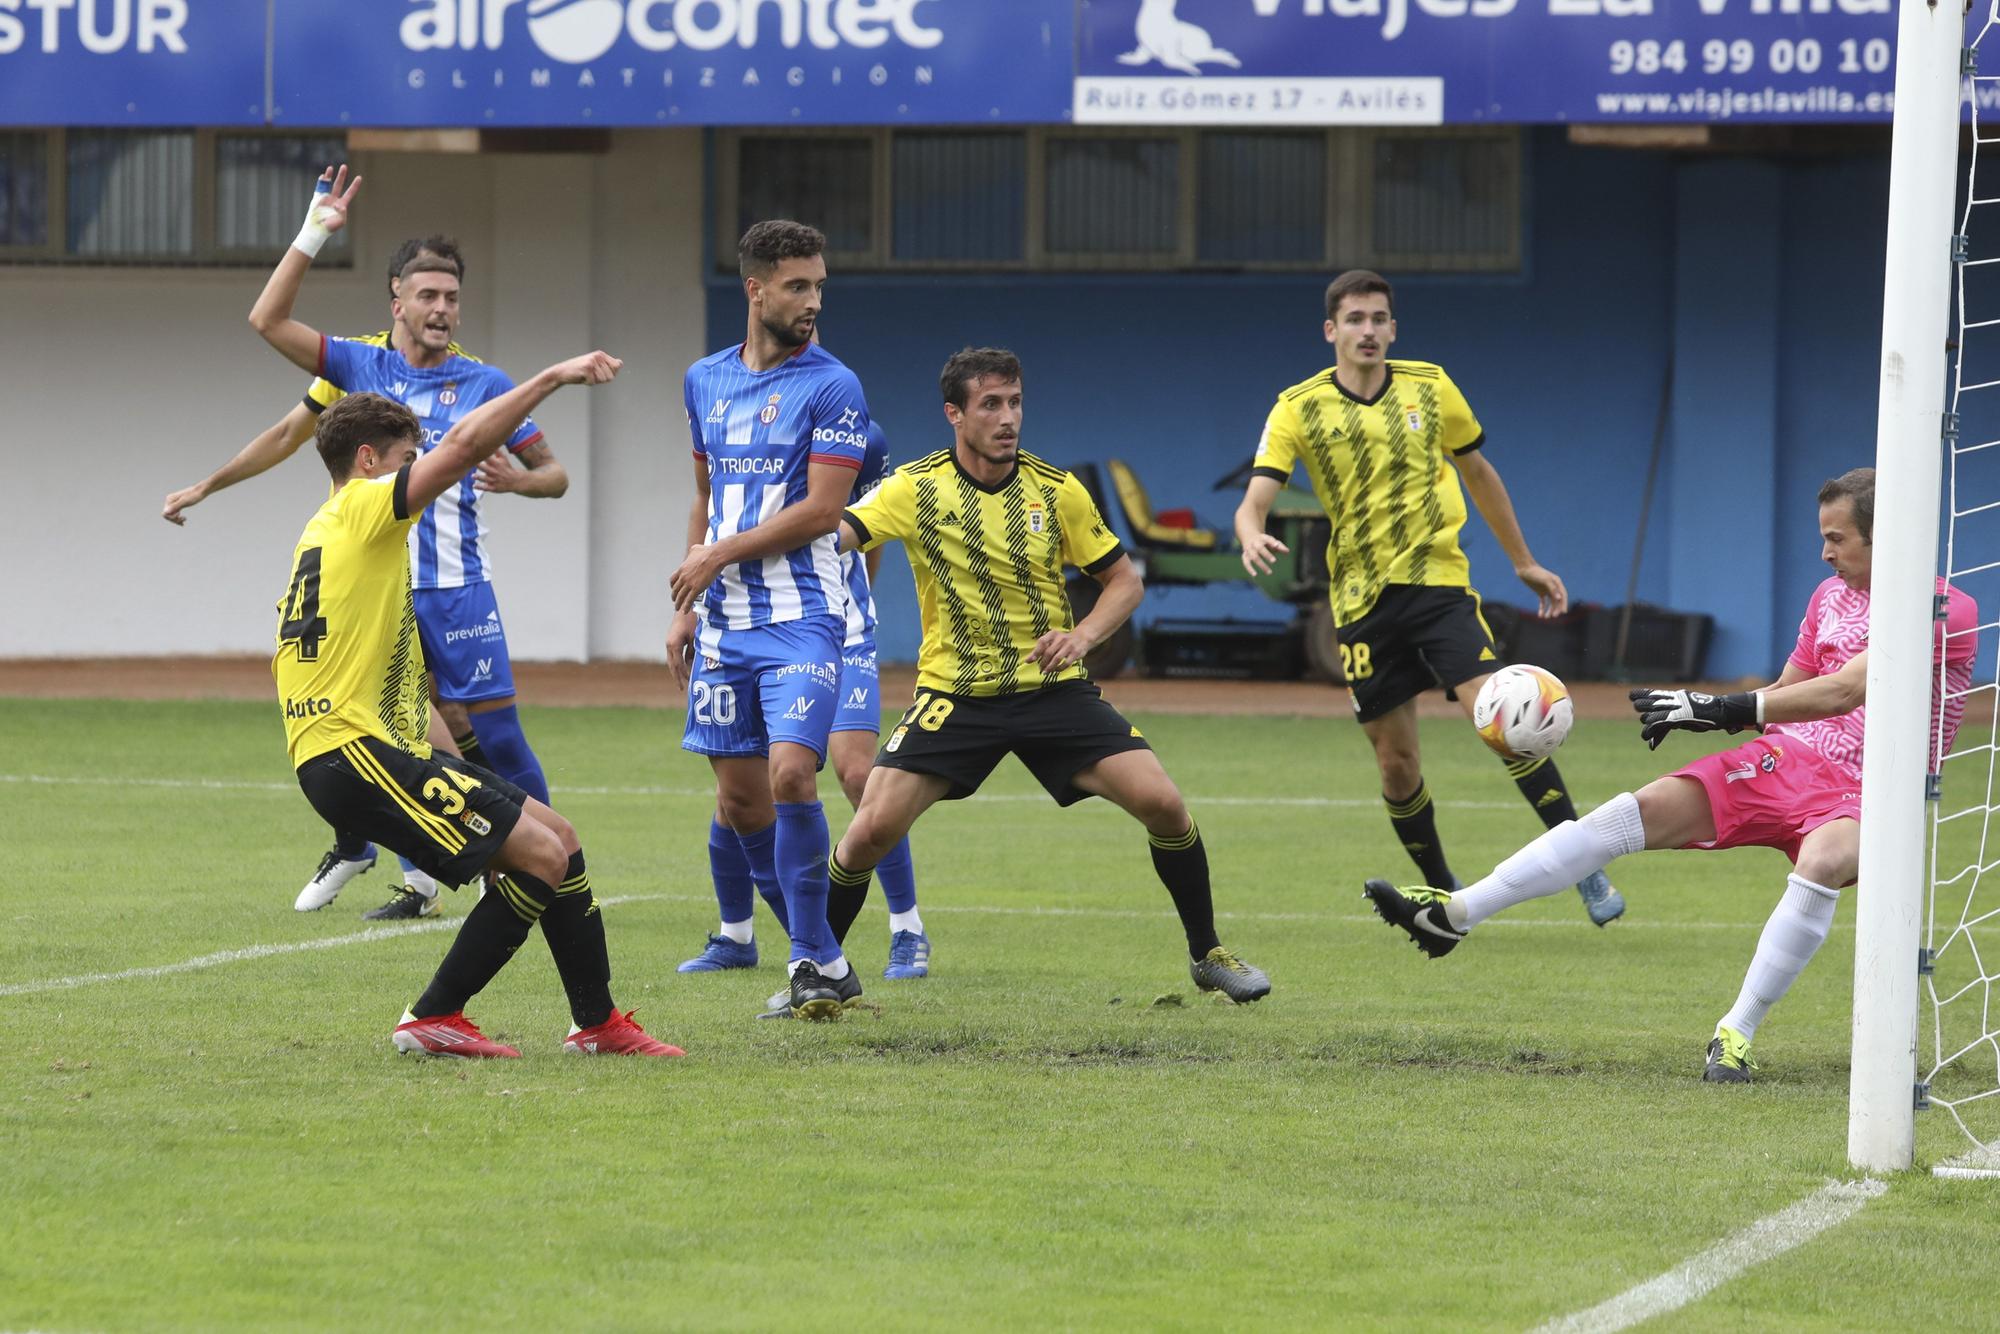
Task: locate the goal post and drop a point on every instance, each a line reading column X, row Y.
column 1916, row 310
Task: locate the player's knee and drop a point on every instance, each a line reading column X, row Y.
column 565, row 832
column 793, row 777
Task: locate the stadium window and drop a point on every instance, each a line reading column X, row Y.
column 827, row 181
column 959, row 197
column 24, row 191
column 1445, row 200
column 1112, row 201
column 1261, row 198
column 131, row 194
column 183, row 198
column 257, row 200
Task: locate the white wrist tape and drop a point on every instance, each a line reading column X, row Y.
column 1760, row 708
column 314, row 233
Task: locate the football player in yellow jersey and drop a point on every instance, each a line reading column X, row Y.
column 988, row 529
column 350, row 681
column 1386, row 444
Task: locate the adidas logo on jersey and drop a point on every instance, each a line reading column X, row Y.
column 951, row 516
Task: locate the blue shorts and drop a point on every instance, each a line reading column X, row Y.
column 750, row 688
column 860, row 690
column 465, row 647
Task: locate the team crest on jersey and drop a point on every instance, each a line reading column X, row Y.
column 1768, row 763
column 476, row 822
column 449, row 394
column 1037, row 518
column 1415, row 417
column 770, row 412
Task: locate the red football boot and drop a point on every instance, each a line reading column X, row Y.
column 447, row 1035
column 619, row 1035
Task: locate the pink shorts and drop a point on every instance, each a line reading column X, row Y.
column 1771, row 792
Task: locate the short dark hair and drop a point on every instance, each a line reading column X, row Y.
column 444, row 247
column 1358, row 282
column 971, row 363
column 766, row 243
column 1856, row 485
column 361, row 419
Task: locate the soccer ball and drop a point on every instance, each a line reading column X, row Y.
column 1522, row 712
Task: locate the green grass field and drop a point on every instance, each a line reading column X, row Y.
column 1025, row 1138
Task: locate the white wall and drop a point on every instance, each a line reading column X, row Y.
column 121, row 385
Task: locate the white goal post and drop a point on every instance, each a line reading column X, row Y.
column 1916, row 313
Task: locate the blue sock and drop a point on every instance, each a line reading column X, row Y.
column 802, row 848
column 760, row 850
column 898, row 877
column 507, row 753
column 351, row 847
column 730, row 870
column 406, row 863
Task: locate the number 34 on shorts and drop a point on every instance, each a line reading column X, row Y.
column 927, row 711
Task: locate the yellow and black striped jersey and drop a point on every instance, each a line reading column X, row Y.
column 989, row 565
column 322, row 394
column 1382, row 470
column 348, row 663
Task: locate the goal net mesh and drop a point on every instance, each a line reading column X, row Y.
column 1959, row 1056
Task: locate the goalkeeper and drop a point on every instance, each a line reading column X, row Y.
column 1795, row 787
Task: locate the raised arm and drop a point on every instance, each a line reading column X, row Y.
column 271, row 317
column 488, row 426
column 272, row 446
column 1489, row 493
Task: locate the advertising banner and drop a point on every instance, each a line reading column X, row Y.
column 1432, row 62
column 670, row 62
column 132, row 62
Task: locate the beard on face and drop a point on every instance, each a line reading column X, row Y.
column 786, row 335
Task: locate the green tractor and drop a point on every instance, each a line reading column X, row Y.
column 1187, row 556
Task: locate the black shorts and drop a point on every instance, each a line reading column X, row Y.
column 1415, row 638
column 1056, row 730
column 446, row 815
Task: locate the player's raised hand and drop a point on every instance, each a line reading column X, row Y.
column 327, row 213
column 1261, row 552
column 1551, row 598
column 1664, row 711
column 590, row 368
column 177, row 501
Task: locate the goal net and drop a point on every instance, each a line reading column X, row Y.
column 1959, row 1049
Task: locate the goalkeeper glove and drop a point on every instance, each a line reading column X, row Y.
column 1664, row 711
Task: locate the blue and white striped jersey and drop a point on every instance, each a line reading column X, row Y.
column 446, row 547
column 853, row 565
column 757, row 432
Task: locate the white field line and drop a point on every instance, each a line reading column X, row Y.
column 1978, row 1165
column 1693, row 1279
column 249, row 952
column 235, row 785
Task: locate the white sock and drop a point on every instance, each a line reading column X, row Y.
column 1553, row 862
column 834, row 971
column 1796, row 930
column 738, row 931
column 421, row 882
column 906, row 921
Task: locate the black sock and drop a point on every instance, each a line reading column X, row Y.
column 1182, row 865
column 493, row 930
column 1415, row 821
column 574, row 929
column 1542, row 784
column 349, row 846
column 846, row 891
column 468, row 748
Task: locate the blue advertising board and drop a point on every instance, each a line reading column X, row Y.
column 1430, row 62
column 670, row 62
column 132, row 62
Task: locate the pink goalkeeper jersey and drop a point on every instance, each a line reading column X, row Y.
column 1835, row 630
